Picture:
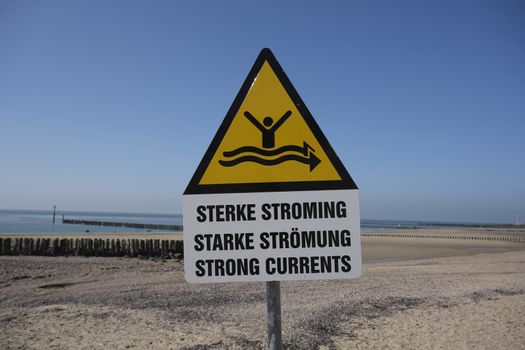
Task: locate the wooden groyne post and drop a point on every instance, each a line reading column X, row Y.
column 142, row 248
column 479, row 238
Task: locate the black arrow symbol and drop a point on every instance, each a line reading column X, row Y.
column 265, row 152
column 307, row 158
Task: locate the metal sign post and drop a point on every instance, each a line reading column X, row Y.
column 273, row 301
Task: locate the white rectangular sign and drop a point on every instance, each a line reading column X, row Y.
column 272, row 236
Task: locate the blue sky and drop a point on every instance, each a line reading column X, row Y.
column 110, row 105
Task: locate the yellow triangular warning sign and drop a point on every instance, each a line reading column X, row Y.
column 268, row 141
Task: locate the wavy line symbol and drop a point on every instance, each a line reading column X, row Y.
column 269, row 157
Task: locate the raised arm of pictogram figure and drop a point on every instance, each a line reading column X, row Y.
column 281, row 121
column 254, row 121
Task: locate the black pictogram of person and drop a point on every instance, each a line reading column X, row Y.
column 269, row 128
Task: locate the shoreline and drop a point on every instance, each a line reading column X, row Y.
column 484, row 230
column 377, row 247
column 94, row 235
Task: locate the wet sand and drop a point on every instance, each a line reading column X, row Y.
column 415, row 293
column 377, row 249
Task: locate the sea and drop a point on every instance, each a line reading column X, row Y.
column 41, row 221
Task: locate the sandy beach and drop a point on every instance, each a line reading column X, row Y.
column 415, row 293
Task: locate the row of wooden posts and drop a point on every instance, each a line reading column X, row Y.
column 151, row 247
column 123, row 224
column 92, row 247
column 476, row 238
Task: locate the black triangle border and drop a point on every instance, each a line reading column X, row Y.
column 346, row 181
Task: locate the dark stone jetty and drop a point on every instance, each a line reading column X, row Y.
column 123, row 224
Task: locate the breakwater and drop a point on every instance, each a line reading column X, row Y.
column 468, row 237
column 156, row 248
column 144, row 248
column 123, row 224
